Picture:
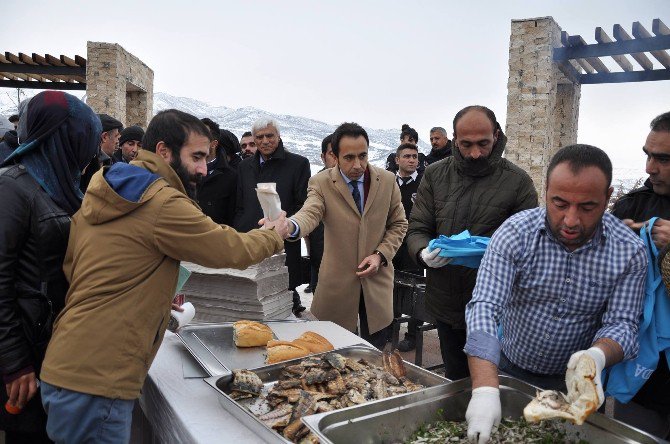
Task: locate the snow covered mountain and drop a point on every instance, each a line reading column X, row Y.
column 301, row 135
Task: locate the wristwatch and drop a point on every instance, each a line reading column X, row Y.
column 384, row 261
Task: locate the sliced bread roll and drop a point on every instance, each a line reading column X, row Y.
column 313, row 342
column 279, row 351
column 251, row 333
column 580, row 402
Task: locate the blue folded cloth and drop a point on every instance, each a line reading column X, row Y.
column 464, row 249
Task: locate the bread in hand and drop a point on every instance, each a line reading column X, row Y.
column 251, row 333
column 580, row 402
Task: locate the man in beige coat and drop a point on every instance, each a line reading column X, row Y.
column 365, row 224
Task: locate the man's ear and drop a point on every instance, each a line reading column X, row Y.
column 609, row 193
column 164, row 151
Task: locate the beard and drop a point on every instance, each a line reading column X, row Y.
column 186, row 178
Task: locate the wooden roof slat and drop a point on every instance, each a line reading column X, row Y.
column 15, row 76
column 620, row 35
column 577, row 40
column 67, row 61
column 12, row 58
column 39, row 59
column 80, row 60
column 622, row 61
column 565, row 39
column 659, row 28
column 53, row 60
column 26, row 59
column 3, row 59
column 640, row 32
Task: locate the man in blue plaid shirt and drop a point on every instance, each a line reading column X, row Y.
column 560, row 281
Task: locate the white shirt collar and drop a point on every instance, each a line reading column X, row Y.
column 413, row 176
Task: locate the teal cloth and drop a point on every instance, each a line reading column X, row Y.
column 184, row 274
column 464, row 249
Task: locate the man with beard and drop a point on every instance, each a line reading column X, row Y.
column 650, row 407
column 130, row 143
column 559, row 282
column 247, row 145
column 273, row 163
column 118, row 304
column 476, row 189
column 440, row 143
column 217, row 192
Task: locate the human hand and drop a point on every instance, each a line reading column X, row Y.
column 281, row 225
column 660, row 232
column 433, row 259
column 483, row 414
column 21, row 390
column 369, row 266
column 177, row 307
column 598, row 357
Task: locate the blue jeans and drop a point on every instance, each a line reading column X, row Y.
column 75, row 417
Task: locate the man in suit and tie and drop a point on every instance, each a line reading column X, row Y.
column 364, row 220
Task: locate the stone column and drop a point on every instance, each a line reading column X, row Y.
column 542, row 104
column 119, row 84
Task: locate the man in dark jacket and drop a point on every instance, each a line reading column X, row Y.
column 130, row 142
column 440, row 143
column 109, row 142
column 272, row 163
column 650, row 408
column 8, row 143
column 407, row 135
column 231, row 146
column 476, row 190
column 217, row 193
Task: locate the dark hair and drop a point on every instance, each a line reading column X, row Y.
column 229, row 142
column 581, row 156
column 661, row 123
column 406, row 130
column 172, row 127
column 214, row 128
column 348, row 129
column 13, row 118
column 406, row 146
column 246, row 134
column 324, row 143
column 485, row 110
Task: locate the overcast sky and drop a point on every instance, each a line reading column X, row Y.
column 379, row 63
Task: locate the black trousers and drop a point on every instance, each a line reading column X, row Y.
column 378, row 339
column 547, row 382
column 452, row 342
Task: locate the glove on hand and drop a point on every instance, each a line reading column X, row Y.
column 432, row 258
column 599, row 358
column 483, row 414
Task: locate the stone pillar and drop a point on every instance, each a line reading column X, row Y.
column 119, row 84
column 542, row 104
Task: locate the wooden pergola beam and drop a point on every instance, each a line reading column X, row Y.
column 622, row 61
column 598, row 65
column 565, row 39
column 42, row 85
column 639, row 32
column 621, row 35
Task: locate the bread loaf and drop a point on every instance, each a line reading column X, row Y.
column 313, row 342
column 279, row 351
column 251, row 334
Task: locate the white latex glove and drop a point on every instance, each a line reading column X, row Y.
column 599, row 358
column 483, row 414
column 432, row 258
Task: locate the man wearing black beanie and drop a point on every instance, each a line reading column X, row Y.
column 130, row 143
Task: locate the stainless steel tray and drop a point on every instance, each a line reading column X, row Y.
column 396, row 419
column 213, row 347
column 270, row 374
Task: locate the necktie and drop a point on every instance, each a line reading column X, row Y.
column 405, row 180
column 357, row 195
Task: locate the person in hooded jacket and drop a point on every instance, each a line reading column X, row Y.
column 231, row 146
column 8, row 139
column 475, row 189
column 40, row 192
column 118, row 304
column 217, row 192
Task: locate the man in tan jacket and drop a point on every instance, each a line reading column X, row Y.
column 365, row 224
column 122, row 284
